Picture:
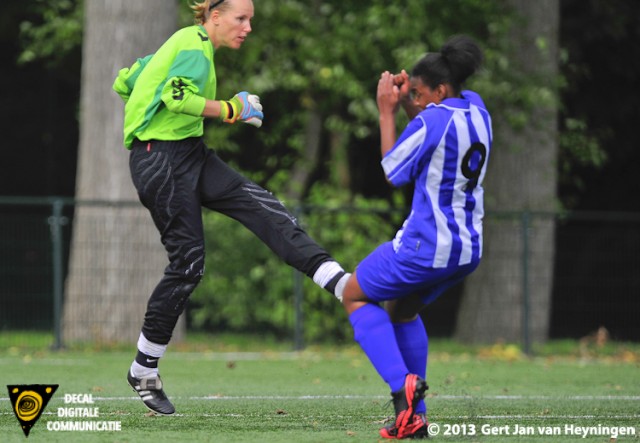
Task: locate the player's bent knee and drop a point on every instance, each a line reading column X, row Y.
column 404, row 309
column 191, row 272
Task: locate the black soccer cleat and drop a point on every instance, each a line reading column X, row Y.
column 152, row 395
column 404, row 403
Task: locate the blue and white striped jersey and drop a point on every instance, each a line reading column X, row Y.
column 444, row 151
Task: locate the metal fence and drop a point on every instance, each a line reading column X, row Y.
column 596, row 275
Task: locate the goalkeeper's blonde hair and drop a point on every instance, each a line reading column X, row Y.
column 201, row 12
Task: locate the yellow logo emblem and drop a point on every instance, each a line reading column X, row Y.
column 28, row 402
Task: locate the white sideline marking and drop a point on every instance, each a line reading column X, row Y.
column 50, row 361
column 537, row 397
column 435, row 397
column 534, row 417
column 376, row 397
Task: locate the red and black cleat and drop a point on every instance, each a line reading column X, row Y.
column 407, row 424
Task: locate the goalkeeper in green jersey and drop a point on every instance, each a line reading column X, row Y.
column 168, row 94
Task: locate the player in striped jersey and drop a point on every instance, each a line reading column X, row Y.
column 443, row 151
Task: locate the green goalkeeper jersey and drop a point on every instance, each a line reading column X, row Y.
column 165, row 93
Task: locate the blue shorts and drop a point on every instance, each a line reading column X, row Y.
column 387, row 275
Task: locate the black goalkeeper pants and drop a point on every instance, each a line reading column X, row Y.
column 174, row 180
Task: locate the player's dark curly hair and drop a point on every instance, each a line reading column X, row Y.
column 458, row 59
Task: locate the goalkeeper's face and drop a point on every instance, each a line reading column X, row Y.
column 233, row 23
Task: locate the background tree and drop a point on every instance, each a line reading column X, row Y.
column 109, row 283
column 522, row 176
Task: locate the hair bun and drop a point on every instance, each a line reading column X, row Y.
column 463, row 56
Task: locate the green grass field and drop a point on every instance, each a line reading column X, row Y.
column 333, row 395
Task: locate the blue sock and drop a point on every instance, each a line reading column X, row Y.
column 373, row 331
column 414, row 345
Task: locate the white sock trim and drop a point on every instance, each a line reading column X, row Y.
column 150, row 348
column 340, row 286
column 139, row 371
column 326, row 272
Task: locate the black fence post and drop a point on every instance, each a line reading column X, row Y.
column 56, row 221
column 526, row 336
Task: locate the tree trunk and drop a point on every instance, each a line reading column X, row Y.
column 116, row 257
column 516, row 273
column 302, row 170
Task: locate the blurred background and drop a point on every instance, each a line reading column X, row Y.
column 79, row 256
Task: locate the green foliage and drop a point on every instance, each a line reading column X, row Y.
column 246, row 288
column 326, row 57
column 55, row 31
column 349, row 234
column 580, row 148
